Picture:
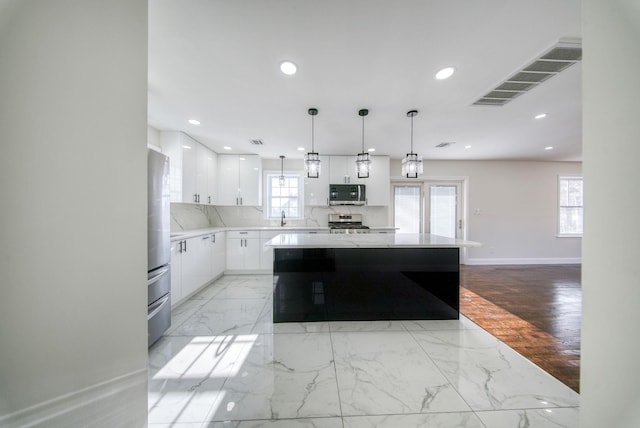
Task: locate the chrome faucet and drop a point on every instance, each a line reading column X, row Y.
column 282, row 217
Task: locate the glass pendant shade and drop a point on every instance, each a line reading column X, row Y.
column 363, row 163
column 412, row 165
column 312, row 159
column 312, row 164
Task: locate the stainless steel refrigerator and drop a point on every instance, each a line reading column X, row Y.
column 159, row 246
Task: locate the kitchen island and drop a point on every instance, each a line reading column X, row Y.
column 358, row 277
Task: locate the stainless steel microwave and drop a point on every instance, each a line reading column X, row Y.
column 347, row 194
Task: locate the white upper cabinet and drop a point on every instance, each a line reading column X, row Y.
column 192, row 175
column 316, row 190
column 239, row 180
column 342, row 170
column 379, row 182
column 378, row 185
column 212, row 178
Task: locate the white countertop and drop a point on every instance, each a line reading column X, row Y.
column 175, row 236
column 367, row 240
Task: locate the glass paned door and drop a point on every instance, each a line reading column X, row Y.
column 442, row 210
column 407, row 208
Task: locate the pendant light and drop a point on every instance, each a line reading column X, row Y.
column 362, row 159
column 281, row 180
column 312, row 159
column 412, row 163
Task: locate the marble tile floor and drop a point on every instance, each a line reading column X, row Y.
column 223, row 363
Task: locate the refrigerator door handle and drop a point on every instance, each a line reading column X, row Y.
column 155, row 279
column 157, row 307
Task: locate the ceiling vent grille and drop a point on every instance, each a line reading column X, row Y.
column 445, row 144
column 257, row 142
column 561, row 56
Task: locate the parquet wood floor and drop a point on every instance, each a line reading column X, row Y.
column 537, row 310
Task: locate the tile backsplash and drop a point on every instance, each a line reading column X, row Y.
column 192, row 216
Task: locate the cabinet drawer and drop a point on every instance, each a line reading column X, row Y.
column 243, row 234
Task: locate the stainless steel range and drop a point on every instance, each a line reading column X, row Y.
column 347, row 223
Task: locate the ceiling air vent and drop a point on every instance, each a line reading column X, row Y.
column 257, row 142
column 561, row 56
column 445, row 144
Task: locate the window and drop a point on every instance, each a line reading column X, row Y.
column 570, row 206
column 287, row 198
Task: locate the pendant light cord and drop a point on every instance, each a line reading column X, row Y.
column 411, row 134
column 312, row 134
column 362, row 134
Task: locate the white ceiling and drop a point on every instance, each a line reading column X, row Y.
column 218, row 61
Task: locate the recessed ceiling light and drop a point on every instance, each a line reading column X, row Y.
column 467, row 146
column 548, row 148
column 194, row 122
column 301, row 149
column 445, row 73
column 186, row 147
column 371, row 149
column 288, row 68
column 227, row 148
column 242, row 159
column 541, row 115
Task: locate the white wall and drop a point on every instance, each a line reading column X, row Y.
column 73, row 220
column 611, row 272
column 153, row 138
column 518, row 203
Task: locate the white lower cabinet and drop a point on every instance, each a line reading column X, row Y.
column 196, row 260
column 176, row 273
column 194, row 263
column 243, row 250
column 218, row 253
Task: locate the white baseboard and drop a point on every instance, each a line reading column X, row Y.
column 524, row 261
column 247, row 271
column 121, row 401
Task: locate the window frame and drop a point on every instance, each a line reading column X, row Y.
column 560, row 233
column 268, row 175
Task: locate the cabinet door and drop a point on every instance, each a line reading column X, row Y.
column 338, row 169
column 210, row 196
column 379, row 182
column 228, row 180
column 201, row 173
column 235, row 253
column 189, row 170
column 316, row 190
column 176, row 273
column 172, row 147
column 252, row 254
column 343, row 170
column 218, row 253
column 195, row 264
column 250, row 169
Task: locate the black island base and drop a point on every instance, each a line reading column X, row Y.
column 363, row 284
